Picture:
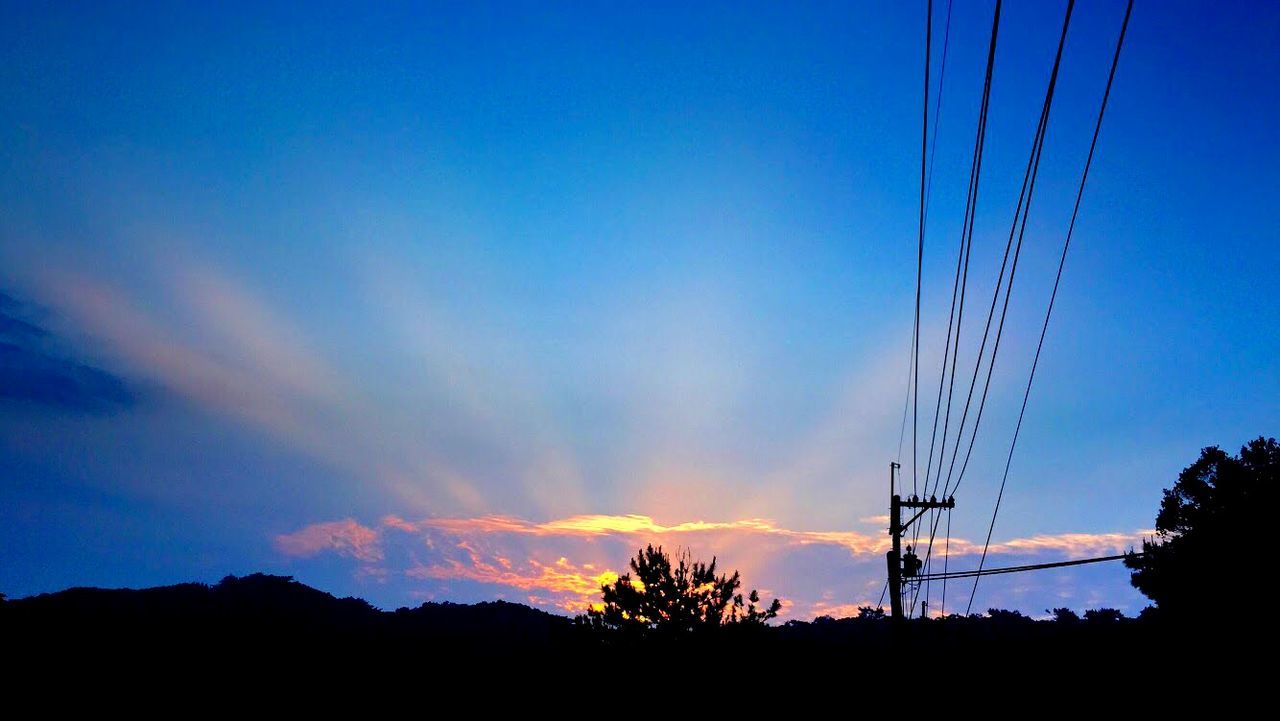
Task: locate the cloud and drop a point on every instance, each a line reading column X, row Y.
column 398, row 523
column 242, row 372
column 33, row 371
column 254, row 337
column 345, row 538
column 572, row 586
column 839, row 610
column 560, row 564
column 590, row 525
column 13, row 327
column 1070, row 543
column 217, row 346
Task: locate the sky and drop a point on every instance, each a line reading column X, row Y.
column 466, row 301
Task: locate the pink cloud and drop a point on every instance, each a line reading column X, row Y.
column 571, row 586
column 399, row 524
column 345, row 538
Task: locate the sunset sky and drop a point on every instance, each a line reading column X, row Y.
column 468, row 301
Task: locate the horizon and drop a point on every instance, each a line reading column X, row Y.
column 469, row 303
column 1046, row 615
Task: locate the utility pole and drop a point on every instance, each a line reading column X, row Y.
column 894, row 558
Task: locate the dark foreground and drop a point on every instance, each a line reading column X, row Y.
column 259, row 625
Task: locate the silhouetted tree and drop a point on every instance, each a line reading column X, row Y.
column 1064, row 615
column 659, row 596
column 1103, row 615
column 1000, row 615
column 871, row 613
column 1192, row 559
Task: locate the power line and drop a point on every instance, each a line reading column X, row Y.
column 906, row 402
column 966, row 243
column 1029, row 567
column 937, row 113
column 924, row 142
column 1097, row 129
column 962, row 280
column 924, row 218
column 946, row 352
column 933, row 163
column 962, row 257
column 1022, row 212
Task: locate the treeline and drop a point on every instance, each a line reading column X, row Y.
column 275, row 617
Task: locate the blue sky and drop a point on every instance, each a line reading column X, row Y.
column 290, row 266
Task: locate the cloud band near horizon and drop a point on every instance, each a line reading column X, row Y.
column 560, row 564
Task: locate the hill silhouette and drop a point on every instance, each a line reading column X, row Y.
column 265, row 612
column 267, row 621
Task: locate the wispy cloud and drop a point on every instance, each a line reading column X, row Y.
column 255, row 337
column 221, row 348
column 35, row 370
column 461, row 419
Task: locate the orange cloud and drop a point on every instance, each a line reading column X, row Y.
column 590, row 525
column 837, row 610
column 560, row 564
column 575, row 586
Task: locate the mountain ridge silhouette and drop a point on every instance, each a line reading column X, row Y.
column 261, row 625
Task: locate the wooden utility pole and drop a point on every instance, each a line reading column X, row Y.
column 897, row 528
column 894, row 557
